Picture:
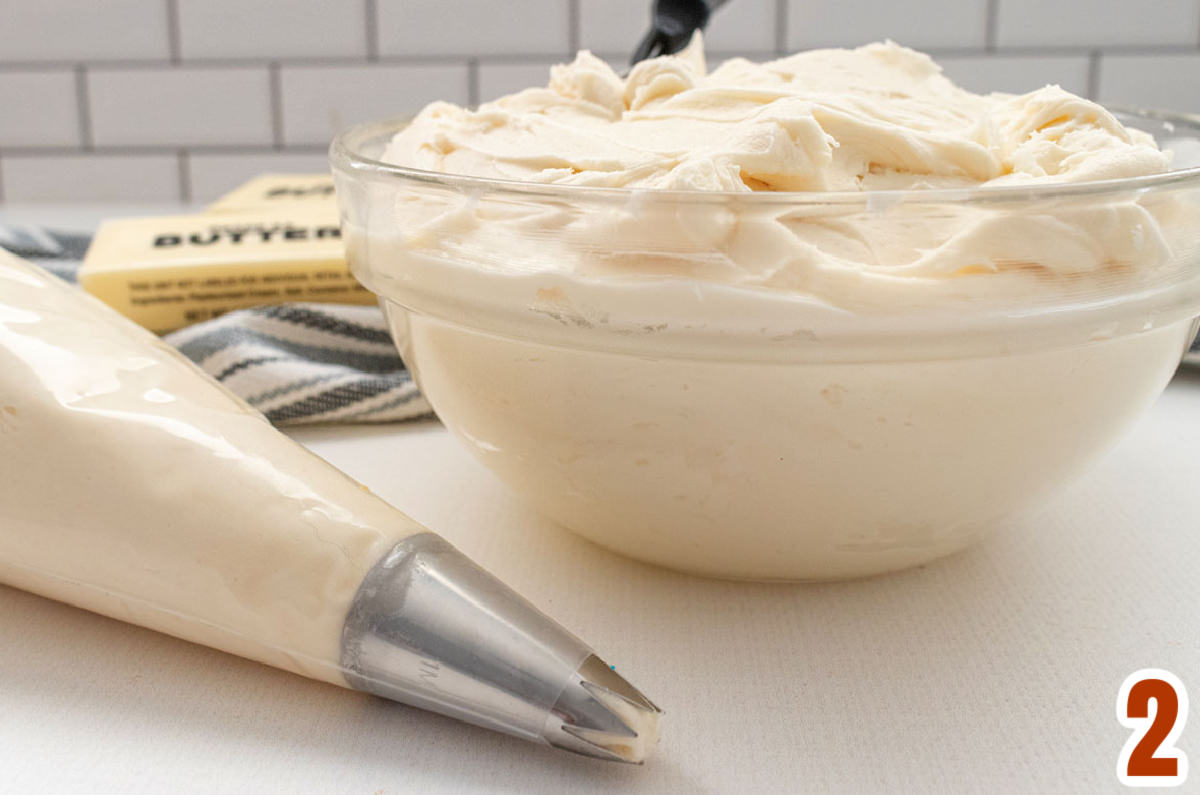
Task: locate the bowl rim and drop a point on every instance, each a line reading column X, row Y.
column 344, row 155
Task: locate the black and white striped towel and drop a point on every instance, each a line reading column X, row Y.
column 298, row 364
column 307, row 363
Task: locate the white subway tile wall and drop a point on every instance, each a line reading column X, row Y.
column 507, row 77
column 1097, row 23
column 474, row 27
column 257, row 29
column 949, row 24
column 190, row 106
column 320, row 101
column 39, row 108
column 181, row 99
column 614, row 27
column 82, row 178
column 84, row 30
column 212, row 174
column 1018, row 74
column 1156, row 81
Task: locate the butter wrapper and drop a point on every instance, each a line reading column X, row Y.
column 168, row 272
column 278, row 191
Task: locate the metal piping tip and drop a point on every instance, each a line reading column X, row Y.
column 430, row 628
column 601, row 715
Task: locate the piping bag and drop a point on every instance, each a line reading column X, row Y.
column 133, row 485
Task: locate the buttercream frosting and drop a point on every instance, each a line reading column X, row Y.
column 877, row 118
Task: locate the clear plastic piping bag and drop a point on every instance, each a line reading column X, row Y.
column 134, row 486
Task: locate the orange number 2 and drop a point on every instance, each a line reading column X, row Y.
column 1149, row 757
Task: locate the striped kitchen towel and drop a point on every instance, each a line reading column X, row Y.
column 307, row 363
column 299, row 364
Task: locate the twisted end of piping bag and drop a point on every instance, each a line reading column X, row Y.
column 431, row 629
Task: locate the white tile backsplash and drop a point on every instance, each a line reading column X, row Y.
column 1166, row 82
column 1018, row 74
column 212, row 175
column 232, row 108
column 614, row 27
column 930, row 23
column 38, row 109
column 473, row 27
column 86, row 177
column 83, row 30
column 264, row 29
column 180, row 106
column 498, row 79
column 1097, row 23
column 319, row 102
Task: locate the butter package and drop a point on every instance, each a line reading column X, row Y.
column 279, row 191
column 168, row 272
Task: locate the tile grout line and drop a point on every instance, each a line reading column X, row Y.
column 550, row 57
column 509, row 57
column 1093, row 83
column 276, row 80
column 252, row 63
column 174, row 46
column 574, row 28
column 83, row 108
column 991, row 22
column 183, row 160
column 472, row 82
column 150, row 150
column 781, row 23
column 371, row 10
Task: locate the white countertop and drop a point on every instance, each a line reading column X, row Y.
column 994, row 670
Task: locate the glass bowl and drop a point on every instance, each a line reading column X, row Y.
column 605, row 354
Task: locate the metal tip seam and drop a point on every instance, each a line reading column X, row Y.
column 613, row 752
column 597, row 673
column 603, row 716
column 641, row 703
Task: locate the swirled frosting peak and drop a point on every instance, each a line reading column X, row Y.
column 879, row 116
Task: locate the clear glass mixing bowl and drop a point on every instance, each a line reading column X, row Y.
column 909, row 369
